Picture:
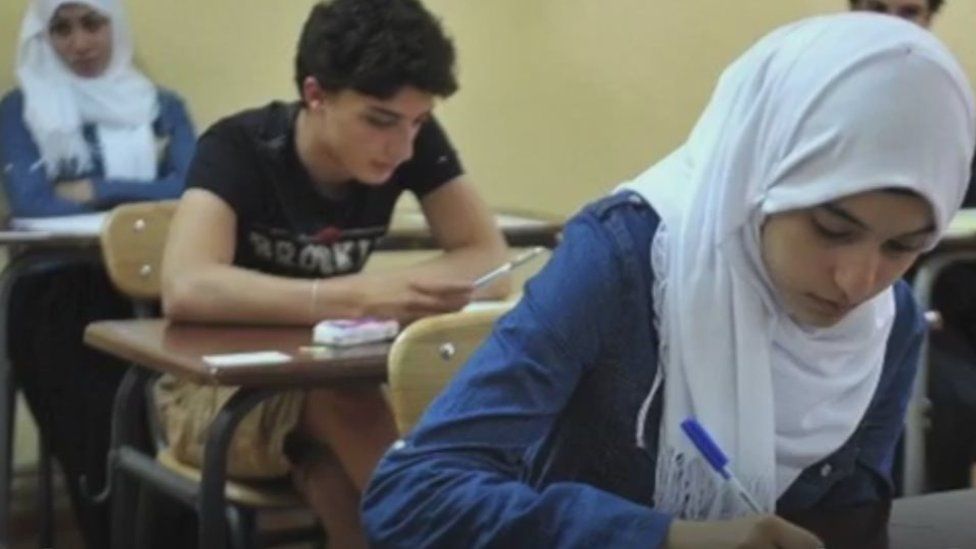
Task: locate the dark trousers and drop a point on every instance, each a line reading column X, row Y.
column 69, row 387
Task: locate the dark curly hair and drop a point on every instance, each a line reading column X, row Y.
column 934, row 5
column 375, row 47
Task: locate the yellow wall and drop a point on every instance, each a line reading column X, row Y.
column 560, row 99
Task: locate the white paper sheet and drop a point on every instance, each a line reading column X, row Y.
column 81, row 224
column 247, row 359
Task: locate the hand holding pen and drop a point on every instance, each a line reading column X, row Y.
column 407, row 296
column 507, row 267
column 759, row 530
column 718, row 460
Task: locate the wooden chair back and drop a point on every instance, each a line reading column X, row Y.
column 427, row 354
column 132, row 240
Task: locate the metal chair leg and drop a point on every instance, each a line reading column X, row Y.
column 45, row 498
column 241, row 527
column 119, row 485
column 213, row 502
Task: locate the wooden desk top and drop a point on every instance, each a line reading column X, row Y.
column 946, row 519
column 179, row 349
column 409, row 230
column 46, row 239
column 934, row 521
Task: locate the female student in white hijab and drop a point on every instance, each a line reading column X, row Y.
column 750, row 281
column 85, row 131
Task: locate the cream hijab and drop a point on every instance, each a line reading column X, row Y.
column 817, row 110
column 122, row 102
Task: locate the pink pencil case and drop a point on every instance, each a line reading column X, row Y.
column 343, row 333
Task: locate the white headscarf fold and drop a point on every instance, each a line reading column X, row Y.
column 121, row 102
column 817, row 110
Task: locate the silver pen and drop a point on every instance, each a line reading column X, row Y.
column 505, row 268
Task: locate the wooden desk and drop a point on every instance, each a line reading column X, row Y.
column 946, row 519
column 179, row 349
column 36, row 239
column 943, row 520
column 35, row 246
column 409, row 230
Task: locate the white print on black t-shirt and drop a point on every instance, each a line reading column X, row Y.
column 344, row 256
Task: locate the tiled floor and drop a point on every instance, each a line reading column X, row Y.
column 24, row 522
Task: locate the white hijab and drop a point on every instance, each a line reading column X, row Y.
column 121, row 102
column 817, row 110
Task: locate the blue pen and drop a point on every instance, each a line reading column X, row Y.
column 717, row 459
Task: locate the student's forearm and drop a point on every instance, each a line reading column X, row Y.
column 223, row 293
column 109, row 192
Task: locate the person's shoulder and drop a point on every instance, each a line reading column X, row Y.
column 270, row 123
column 625, row 212
column 431, row 145
column 169, row 100
column 12, row 102
column 619, row 229
column 430, row 129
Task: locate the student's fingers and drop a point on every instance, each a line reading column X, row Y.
column 442, row 288
column 426, row 304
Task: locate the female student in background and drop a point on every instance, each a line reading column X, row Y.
column 749, row 280
column 86, row 130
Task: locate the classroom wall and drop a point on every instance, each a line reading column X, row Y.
column 560, row 99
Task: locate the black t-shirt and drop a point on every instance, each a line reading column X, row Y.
column 285, row 225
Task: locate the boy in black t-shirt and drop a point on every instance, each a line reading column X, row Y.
column 284, row 205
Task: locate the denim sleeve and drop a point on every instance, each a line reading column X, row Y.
column 458, row 479
column 177, row 128
column 29, row 191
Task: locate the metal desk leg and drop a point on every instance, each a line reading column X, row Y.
column 917, row 415
column 213, row 503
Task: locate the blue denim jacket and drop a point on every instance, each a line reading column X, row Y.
column 533, row 443
column 31, row 194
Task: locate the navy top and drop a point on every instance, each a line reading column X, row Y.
column 533, row 443
column 30, row 192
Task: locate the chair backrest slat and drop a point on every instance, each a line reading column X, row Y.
column 427, row 354
column 132, row 241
